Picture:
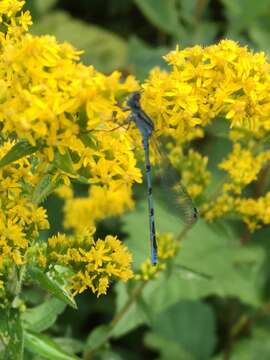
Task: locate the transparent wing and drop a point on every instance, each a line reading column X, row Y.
column 175, row 195
column 188, row 273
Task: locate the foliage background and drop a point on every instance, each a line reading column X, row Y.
column 187, row 318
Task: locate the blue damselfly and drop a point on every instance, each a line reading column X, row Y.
column 146, row 128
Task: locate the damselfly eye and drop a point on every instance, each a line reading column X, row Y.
column 134, row 99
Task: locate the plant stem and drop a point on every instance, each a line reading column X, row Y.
column 133, row 297
column 136, row 292
column 183, row 232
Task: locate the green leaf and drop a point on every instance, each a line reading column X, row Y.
column 64, row 161
column 18, row 151
column 204, row 34
column 143, row 57
column 108, row 354
column 133, row 317
column 46, row 347
column 4, row 325
column 161, row 13
column 44, row 188
column 242, row 14
column 256, row 346
column 97, row 338
column 259, row 33
column 70, row 345
column 11, row 333
column 54, row 282
column 38, row 8
column 169, row 350
column 44, row 6
column 88, row 141
column 220, row 256
column 103, row 49
column 43, row 316
column 185, row 324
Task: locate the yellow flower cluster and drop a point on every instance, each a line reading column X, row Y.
column 167, row 249
column 192, row 168
column 207, row 84
column 221, row 205
column 67, row 112
column 93, row 263
column 63, row 109
column 82, row 212
column 243, row 167
column 20, row 219
column 255, row 212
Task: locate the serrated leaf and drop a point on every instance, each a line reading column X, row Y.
column 44, row 188
column 43, row 316
column 97, row 338
column 18, row 151
column 109, row 49
column 45, row 347
column 163, row 14
column 54, row 284
column 11, row 332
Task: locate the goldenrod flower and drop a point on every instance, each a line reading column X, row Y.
column 242, row 166
column 94, row 263
column 49, row 100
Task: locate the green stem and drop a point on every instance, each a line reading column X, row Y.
column 246, row 322
column 183, row 232
column 136, row 292
column 133, row 297
column 15, row 281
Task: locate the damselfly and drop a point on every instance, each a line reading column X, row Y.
column 146, row 128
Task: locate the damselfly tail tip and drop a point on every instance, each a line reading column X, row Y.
column 195, row 215
column 154, row 259
column 191, row 215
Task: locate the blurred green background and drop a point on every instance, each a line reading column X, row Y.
column 181, row 316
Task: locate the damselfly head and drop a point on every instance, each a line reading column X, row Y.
column 134, row 100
